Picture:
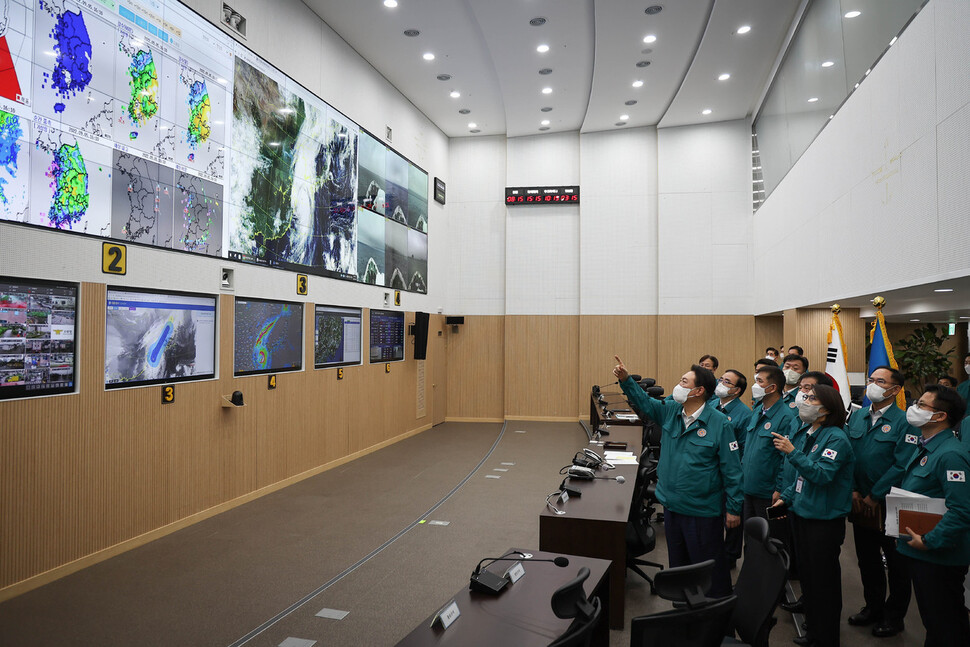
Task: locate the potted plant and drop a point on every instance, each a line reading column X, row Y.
column 920, row 357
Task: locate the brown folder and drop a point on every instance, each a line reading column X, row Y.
column 920, row 522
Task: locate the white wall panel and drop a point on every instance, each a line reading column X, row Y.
column 952, row 54
column 954, row 191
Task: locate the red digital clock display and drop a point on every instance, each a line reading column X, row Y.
column 515, row 196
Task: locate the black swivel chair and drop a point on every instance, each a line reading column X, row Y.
column 641, row 537
column 702, row 622
column 760, row 585
column 569, row 601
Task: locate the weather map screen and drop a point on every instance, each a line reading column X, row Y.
column 386, row 336
column 140, row 121
column 268, row 337
column 337, row 341
column 158, row 337
column 37, row 337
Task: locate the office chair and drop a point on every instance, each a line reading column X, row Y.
column 641, row 537
column 701, row 623
column 569, row 601
column 760, row 585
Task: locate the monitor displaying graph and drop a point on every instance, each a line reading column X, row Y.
column 338, row 336
column 267, row 337
column 156, row 337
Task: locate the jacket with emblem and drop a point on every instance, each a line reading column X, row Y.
column 761, row 466
column 882, row 451
column 823, row 485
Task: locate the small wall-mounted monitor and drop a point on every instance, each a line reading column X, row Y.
column 155, row 337
column 338, row 337
column 37, row 337
column 386, row 336
column 267, row 337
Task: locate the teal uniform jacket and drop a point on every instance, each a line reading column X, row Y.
column 761, row 466
column 943, row 474
column 823, row 487
column 963, row 388
column 737, row 413
column 797, row 434
column 789, row 398
column 882, row 452
column 965, row 433
column 698, row 465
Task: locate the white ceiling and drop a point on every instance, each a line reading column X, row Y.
column 919, row 302
column 488, row 47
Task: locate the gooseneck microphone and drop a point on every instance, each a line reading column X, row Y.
column 485, row 581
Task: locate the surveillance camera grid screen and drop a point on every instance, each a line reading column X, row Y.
column 143, row 122
column 37, row 337
column 386, row 336
column 156, row 337
column 267, row 337
column 338, row 336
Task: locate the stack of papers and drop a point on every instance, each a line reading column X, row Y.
column 620, row 458
column 899, row 499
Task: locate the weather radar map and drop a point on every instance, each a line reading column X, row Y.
column 268, row 337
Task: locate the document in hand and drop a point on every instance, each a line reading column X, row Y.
column 909, row 509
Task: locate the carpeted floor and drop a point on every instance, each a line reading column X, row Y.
column 349, row 540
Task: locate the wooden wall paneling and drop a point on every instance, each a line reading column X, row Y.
column 769, row 330
column 682, row 340
column 541, row 366
column 633, row 338
column 476, row 368
column 809, row 328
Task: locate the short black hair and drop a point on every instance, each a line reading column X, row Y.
column 772, row 348
column 820, row 378
column 773, row 375
column 710, row 357
column 704, row 377
column 949, row 402
column 952, row 381
column 798, row 349
column 831, row 399
column 898, row 377
column 764, row 361
column 796, row 358
column 742, row 381
column 966, row 357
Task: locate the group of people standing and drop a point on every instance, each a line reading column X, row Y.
column 797, row 451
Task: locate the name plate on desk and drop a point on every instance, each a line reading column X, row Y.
column 446, row 616
column 563, row 496
column 515, row 572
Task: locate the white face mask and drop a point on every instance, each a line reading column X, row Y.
column 966, row 368
column 808, row 412
column 757, row 391
column 799, row 397
column 791, row 376
column 918, row 417
column 875, row 392
column 680, row 394
column 771, row 357
column 722, row 390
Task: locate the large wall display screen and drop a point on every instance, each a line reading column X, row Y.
column 386, row 336
column 154, row 337
column 267, row 337
column 338, row 336
column 140, row 121
column 37, row 337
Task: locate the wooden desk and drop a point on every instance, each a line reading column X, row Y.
column 521, row 615
column 613, row 401
column 595, row 523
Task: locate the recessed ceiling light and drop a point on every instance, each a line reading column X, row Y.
column 542, row 49
column 813, row 99
column 411, row 33
column 743, row 29
column 724, row 77
column 546, row 90
column 852, row 14
column 893, row 41
column 706, row 111
column 828, row 63
column 390, row 4
column 544, row 122
column 472, row 124
column 638, row 84
column 428, row 56
column 649, row 38
column 455, row 94
column 943, row 290
column 464, row 111
column 831, row 116
column 915, row 320
column 624, row 117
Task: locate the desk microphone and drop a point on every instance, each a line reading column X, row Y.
column 485, row 581
column 587, row 474
column 597, row 388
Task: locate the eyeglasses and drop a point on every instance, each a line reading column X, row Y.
column 810, row 397
column 923, row 405
column 726, row 383
column 886, row 384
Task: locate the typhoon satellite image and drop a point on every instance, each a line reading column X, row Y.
column 144, row 345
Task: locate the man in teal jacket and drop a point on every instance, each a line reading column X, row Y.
column 883, row 443
column 762, row 465
column 698, row 465
column 938, row 560
column 964, row 387
column 727, row 400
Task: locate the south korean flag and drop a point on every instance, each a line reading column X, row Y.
column 957, row 476
column 829, row 454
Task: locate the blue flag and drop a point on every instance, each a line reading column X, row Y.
column 881, row 354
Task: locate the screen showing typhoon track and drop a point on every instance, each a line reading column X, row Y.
column 267, row 337
column 157, row 337
column 140, row 121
